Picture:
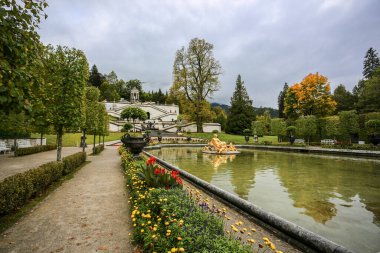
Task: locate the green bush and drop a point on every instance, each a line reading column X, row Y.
column 170, row 220
column 73, row 161
column 16, row 190
column 33, row 150
column 98, row 149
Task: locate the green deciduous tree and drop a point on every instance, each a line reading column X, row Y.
column 281, row 101
column 306, row 126
column 134, row 113
column 371, row 63
column 330, row 127
column 241, row 113
column 103, row 121
column 66, row 76
column 19, row 53
column 220, row 117
column 196, row 74
column 344, row 99
column 349, row 124
column 278, row 128
column 108, row 92
column 258, row 127
column 91, row 116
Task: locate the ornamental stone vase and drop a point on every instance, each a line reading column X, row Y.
column 246, row 138
column 135, row 144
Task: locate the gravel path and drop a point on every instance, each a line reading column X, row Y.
column 10, row 165
column 88, row 213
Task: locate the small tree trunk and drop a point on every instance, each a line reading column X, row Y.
column 99, row 139
column 103, row 140
column 59, row 141
column 42, row 135
column 84, row 141
column 93, row 149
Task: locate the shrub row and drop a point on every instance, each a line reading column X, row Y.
column 98, row 149
column 369, row 147
column 16, row 190
column 169, row 220
column 33, row 150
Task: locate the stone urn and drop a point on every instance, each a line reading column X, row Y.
column 135, row 144
column 246, row 138
column 159, row 138
column 188, row 138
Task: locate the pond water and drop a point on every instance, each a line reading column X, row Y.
column 336, row 197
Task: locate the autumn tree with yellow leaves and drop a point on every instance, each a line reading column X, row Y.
column 312, row 96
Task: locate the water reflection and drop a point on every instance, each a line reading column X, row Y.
column 333, row 196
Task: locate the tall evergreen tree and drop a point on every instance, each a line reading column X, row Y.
column 96, row 78
column 371, row 62
column 280, row 101
column 241, row 113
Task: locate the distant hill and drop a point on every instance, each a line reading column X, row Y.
column 259, row 110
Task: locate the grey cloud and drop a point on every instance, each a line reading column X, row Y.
column 267, row 42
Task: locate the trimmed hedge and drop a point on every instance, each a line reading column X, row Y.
column 33, row 150
column 98, row 149
column 18, row 189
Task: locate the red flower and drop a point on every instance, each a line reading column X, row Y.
column 178, row 180
column 174, row 174
column 162, row 171
column 151, row 160
column 157, row 171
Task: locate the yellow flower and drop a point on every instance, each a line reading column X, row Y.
column 253, row 230
column 142, row 231
column 181, row 250
column 166, row 223
column 174, row 250
column 153, row 236
column 179, row 238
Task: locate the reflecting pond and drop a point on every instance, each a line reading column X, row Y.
column 336, row 197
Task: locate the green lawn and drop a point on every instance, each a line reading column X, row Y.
column 73, row 139
column 236, row 139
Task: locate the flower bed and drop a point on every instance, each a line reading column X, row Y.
column 167, row 218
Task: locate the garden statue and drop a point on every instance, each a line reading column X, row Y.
column 216, row 146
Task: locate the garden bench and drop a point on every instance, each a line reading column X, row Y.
column 328, row 141
column 299, row 141
column 4, row 148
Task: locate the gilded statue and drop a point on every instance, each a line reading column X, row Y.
column 219, row 146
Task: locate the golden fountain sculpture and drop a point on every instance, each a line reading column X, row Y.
column 216, row 146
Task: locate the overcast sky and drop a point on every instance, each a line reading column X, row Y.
column 267, row 42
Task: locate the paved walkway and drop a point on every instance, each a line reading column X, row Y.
column 10, row 165
column 88, row 213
